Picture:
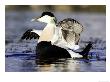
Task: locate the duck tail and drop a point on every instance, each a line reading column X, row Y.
column 85, row 51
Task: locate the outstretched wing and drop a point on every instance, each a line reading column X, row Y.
column 31, row 34
column 71, row 30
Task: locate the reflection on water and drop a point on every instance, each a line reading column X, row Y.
column 19, row 55
column 28, row 63
column 65, row 66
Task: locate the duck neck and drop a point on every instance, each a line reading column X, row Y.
column 50, row 25
column 48, row 32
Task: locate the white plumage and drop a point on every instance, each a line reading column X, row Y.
column 65, row 34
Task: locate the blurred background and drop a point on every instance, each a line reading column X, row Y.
column 18, row 20
column 92, row 17
column 58, row 8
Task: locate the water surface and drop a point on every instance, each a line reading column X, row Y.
column 20, row 56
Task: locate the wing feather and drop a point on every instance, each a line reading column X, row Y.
column 71, row 30
column 30, row 34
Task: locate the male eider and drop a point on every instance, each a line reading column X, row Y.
column 56, row 40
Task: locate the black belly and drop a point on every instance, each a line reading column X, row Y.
column 46, row 50
column 49, row 53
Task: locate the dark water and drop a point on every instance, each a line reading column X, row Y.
column 26, row 63
column 20, row 56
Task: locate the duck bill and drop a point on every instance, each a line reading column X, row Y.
column 35, row 19
column 32, row 20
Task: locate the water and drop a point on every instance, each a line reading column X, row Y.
column 20, row 56
column 27, row 64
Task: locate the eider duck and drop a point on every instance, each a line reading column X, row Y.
column 56, row 40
